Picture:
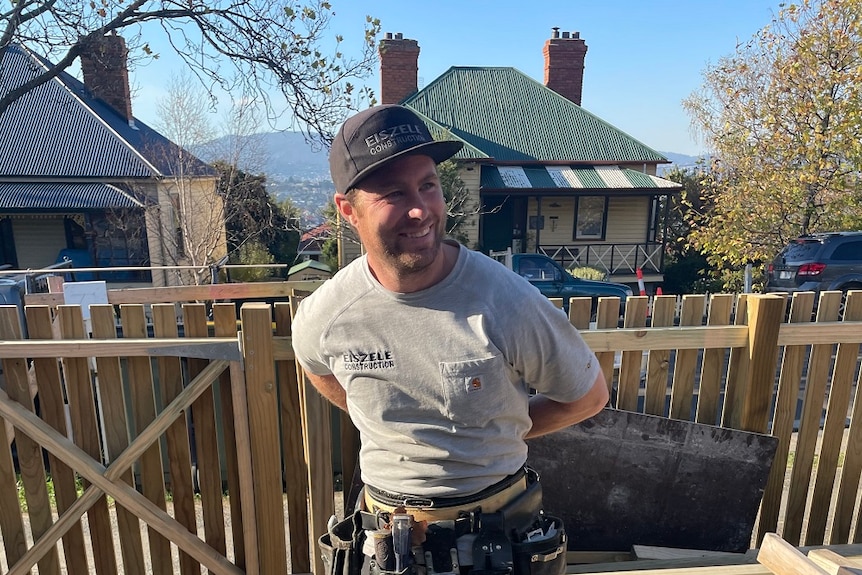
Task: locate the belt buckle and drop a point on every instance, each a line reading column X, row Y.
column 417, row 502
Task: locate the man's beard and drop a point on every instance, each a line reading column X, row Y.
column 411, row 262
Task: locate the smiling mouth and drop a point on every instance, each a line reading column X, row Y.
column 420, row 234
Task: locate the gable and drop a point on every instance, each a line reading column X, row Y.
column 59, row 130
column 508, row 116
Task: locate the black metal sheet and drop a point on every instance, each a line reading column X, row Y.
column 621, row 479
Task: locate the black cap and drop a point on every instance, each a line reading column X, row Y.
column 374, row 137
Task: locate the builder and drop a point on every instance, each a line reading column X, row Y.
column 445, row 360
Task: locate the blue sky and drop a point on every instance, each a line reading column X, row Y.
column 644, row 56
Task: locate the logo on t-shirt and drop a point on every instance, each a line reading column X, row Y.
column 368, row 360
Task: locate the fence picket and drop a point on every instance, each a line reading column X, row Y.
column 177, row 435
column 709, row 390
column 658, row 360
column 629, row 381
column 144, row 408
column 785, row 416
column 685, row 364
column 85, row 433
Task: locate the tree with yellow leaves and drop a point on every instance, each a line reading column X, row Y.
column 782, row 118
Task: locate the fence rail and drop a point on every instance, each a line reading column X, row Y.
column 220, row 424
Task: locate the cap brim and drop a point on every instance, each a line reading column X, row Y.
column 439, row 151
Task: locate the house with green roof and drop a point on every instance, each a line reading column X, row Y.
column 542, row 173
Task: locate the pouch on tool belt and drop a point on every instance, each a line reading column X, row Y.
column 341, row 547
column 545, row 553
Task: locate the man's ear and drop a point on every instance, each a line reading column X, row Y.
column 345, row 208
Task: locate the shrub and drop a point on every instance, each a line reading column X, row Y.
column 588, row 273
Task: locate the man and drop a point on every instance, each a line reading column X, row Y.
column 445, row 360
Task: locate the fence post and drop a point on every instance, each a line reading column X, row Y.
column 765, row 313
column 259, row 361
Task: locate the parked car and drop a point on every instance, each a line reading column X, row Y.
column 555, row 282
column 816, row 262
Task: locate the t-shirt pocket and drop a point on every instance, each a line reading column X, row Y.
column 477, row 390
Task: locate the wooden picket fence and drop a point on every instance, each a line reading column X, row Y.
column 205, row 449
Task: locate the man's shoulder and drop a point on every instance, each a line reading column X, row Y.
column 336, row 291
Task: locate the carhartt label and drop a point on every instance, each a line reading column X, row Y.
column 474, row 384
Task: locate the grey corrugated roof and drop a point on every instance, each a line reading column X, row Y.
column 570, row 178
column 510, row 117
column 58, row 129
column 68, row 196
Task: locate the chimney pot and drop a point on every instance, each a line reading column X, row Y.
column 565, row 34
column 576, row 35
column 399, row 36
column 389, row 35
column 555, row 32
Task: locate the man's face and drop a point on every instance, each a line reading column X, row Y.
column 400, row 216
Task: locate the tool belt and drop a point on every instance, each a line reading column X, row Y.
column 515, row 539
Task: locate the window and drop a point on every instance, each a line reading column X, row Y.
column 848, row 251
column 590, row 214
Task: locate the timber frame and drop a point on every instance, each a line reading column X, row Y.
column 263, row 436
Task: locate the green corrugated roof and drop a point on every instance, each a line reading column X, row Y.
column 504, row 114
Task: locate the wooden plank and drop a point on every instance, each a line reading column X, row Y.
column 52, row 408
column 116, row 427
column 11, row 519
column 850, row 474
column 809, row 423
column 263, row 427
column 682, row 390
column 579, row 312
column 658, row 361
column 224, row 325
column 782, row 558
column 317, row 436
column 295, row 466
column 177, row 435
column 629, row 381
column 832, row 434
column 737, row 368
column 207, row 292
column 607, row 317
column 100, row 478
column 711, row 371
column 655, row 552
column 31, row 465
column 831, row 562
column 209, row 348
column 785, row 416
column 141, row 388
column 85, row 431
column 765, row 314
column 206, row 438
column 30, row 462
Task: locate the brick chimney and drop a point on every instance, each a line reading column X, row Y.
column 564, row 64
column 106, row 75
column 399, row 68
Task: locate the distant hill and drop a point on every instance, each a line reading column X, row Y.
column 299, row 170
column 679, row 161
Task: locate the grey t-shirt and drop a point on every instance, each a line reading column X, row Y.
column 438, row 381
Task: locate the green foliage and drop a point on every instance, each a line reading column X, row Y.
column 783, row 118
column 252, row 252
column 253, row 215
column 588, row 273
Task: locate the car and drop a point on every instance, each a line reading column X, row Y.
column 817, row 262
column 555, row 282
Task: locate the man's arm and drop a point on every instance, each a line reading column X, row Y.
column 329, row 388
column 549, row 415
